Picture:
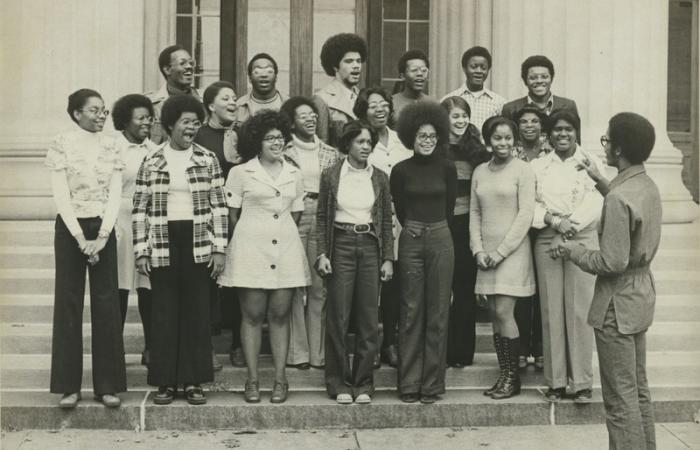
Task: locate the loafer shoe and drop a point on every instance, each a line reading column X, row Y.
column 554, row 395
column 69, row 401
column 343, row 399
column 583, row 397
column 109, row 400
column 363, row 399
column 409, row 398
column 429, row 399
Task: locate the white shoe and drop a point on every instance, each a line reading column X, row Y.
column 363, row 399
column 343, row 399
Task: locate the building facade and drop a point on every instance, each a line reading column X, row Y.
column 609, row 55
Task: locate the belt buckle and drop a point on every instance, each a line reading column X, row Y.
column 362, row 228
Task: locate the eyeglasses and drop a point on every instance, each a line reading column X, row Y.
column 541, row 77
column 271, row 139
column 144, row 119
column 97, row 112
column 604, row 140
column 374, row 106
column 426, row 137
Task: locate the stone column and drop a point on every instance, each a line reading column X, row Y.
column 608, row 56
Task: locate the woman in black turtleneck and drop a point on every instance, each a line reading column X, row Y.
column 423, row 188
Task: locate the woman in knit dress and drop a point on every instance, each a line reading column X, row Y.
column 501, row 210
column 467, row 152
column 266, row 259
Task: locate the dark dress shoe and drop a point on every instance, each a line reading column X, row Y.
column 279, row 392
column 429, row 399
column 409, row 398
column 554, row 395
column 251, row 394
column 69, row 401
column 165, row 395
column 583, row 397
column 390, row 355
column 237, row 357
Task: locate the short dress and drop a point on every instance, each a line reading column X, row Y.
column 265, row 251
column 500, row 215
column 132, row 155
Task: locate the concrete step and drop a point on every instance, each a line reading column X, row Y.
column 664, row 369
column 314, row 410
column 26, row 308
column 41, row 281
column 35, row 338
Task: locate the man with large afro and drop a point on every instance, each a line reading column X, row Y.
column 342, row 57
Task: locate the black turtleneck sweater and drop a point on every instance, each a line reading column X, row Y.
column 424, row 188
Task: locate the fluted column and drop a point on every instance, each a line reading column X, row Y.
column 609, row 56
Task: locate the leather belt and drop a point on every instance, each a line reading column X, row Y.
column 311, row 195
column 357, row 228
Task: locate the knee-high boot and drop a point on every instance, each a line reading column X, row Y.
column 511, row 382
column 499, row 354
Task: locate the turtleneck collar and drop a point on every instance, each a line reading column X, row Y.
column 298, row 143
column 425, row 159
column 216, row 124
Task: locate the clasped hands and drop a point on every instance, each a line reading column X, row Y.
column 91, row 248
column 323, row 267
column 488, row 260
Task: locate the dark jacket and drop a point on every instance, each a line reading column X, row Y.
column 381, row 211
column 510, row 108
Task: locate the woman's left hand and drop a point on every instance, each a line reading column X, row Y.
column 494, row 258
column 387, row 271
column 559, row 247
column 216, row 264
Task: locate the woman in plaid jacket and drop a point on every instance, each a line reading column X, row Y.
column 180, row 224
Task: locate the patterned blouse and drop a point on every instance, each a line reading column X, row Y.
column 150, row 214
column 89, row 160
column 520, row 152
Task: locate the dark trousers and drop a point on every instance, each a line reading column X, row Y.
column 108, row 369
column 528, row 317
column 628, row 408
column 426, row 264
column 180, row 333
column 144, row 302
column 214, row 307
column 389, row 310
column 355, row 264
column 461, row 336
column 231, row 314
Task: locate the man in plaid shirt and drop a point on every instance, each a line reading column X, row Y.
column 484, row 103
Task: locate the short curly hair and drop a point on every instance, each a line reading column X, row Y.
column 415, row 115
column 175, row 106
column 123, row 109
column 362, row 102
column 213, row 90
column 476, row 51
column 350, row 131
column 409, row 55
column 254, row 130
column 490, row 125
column 566, row 115
column 634, row 134
column 262, row 56
column 165, row 55
column 289, row 107
column 536, row 61
column 456, row 101
column 337, row 46
column 78, row 99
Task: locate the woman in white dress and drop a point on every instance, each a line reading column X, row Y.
column 133, row 116
column 266, row 259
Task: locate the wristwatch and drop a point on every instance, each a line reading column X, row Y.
column 103, row 234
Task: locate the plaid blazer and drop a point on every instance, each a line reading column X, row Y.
column 150, row 213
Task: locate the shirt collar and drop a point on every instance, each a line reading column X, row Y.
column 347, row 169
column 549, row 106
column 477, row 94
column 627, row 174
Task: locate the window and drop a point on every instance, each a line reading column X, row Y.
column 198, row 29
column 405, row 26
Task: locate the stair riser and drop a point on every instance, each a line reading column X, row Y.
column 478, row 376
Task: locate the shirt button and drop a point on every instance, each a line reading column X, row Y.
column 277, row 194
column 276, row 216
column 274, row 241
column 273, row 267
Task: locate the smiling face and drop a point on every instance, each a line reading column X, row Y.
column 502, row 141
column 349, row 69
column 377, row 111
column 563, row 137
column 416, row 75
column 538, row 81
column 262, row 76
column 529, row 127
column 477, row 70
column 91, row 117
column 224, row 106
column 305, row 120
column 184, row 131
column 426, row 140
column 272, row 146
column 180, row 72
column 459, row 121
column 139, row 127
column 360, row 148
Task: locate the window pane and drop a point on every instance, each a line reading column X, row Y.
column 183, row 32
column 418, row 36
column 209, row 53
column 419, row 9
column 210, row 7
column 679, row 65
column 394, row 40
column 395, row 9
column 184, row 6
